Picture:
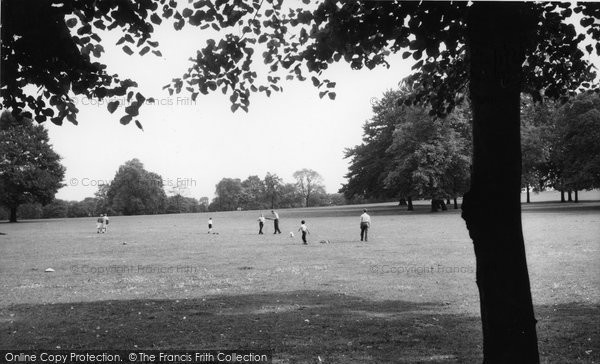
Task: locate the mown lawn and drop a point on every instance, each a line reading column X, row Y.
column 408, row 295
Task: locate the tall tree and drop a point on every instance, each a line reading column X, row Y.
column 535, row 144
column 431, row 157
column 308, row 182
column 228, row 192
column 253, row 193
column 30, row 170
column 511, row 47
column 575, row 149
column 136, row 191
column 370, row 161
column 273, row 184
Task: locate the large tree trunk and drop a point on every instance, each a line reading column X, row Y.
column 410, row 205
column 528, row 200
column 570, row 198
column 562, row 196
column 435, row 206
column 455, row 203
column 576, row 196
column 495, row 34
column 13, row 214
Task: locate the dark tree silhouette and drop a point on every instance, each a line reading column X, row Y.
column 30, row 170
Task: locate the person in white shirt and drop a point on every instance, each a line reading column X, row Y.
column 365, row 224
column 261, row 223
column 210, row 224
column 305, row 231
column 276, row 222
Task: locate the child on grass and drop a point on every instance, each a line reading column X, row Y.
column 305, row 231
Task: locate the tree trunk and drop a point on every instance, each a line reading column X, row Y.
column 528, row 200
column 410, row 205
column 448, row 201
column 496, row 55
column 402, row 202
column 562, row 196
column 434, row 205
column 576, row 196
column 13, row 214
column 570, row 198
column 455, row 204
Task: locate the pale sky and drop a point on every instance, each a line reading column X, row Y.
column 202, row 143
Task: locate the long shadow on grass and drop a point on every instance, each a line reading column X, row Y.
column 297, row 326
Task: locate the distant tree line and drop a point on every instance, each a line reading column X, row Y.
column 136, row 191
column 255, row 193
column 408, row 154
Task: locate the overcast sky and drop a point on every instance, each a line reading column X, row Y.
column 202, row 143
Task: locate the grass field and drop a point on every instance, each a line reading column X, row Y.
column 406, row 296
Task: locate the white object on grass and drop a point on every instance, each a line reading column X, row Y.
column 49, row 270
column 291, row 234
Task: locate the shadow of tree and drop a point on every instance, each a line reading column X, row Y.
column 297, row 326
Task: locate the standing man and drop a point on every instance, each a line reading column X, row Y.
column 276, row 222
column 210, row 225
column 365, row 224
column 261, row 223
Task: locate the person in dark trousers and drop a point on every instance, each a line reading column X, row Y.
column 261, row 223
column 365, row 224
column 305, row 231
column 276, row 222
column 210, row 225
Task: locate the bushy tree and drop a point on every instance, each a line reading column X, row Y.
column 228, row 192
column 536, row 129
column 309, row 184
column 370, row 161
column 253, row 194
column 56, row 209
column 290, row 197
column 431, row 158
column 30, row 170
column 575, row 150
column 135, row 191
column 273, row 184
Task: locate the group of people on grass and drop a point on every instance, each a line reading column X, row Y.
column 365, row 224
column 102, row 223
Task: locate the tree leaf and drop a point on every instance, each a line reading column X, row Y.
column 127, row 50
column 112, row 106
column 125, row 119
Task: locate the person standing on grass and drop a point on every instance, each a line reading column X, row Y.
column 261, row 223
column 105, row 224
column 210, row 225
column 100, row 224
column 305, row 231
column 275, row 222
column 365, row 224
